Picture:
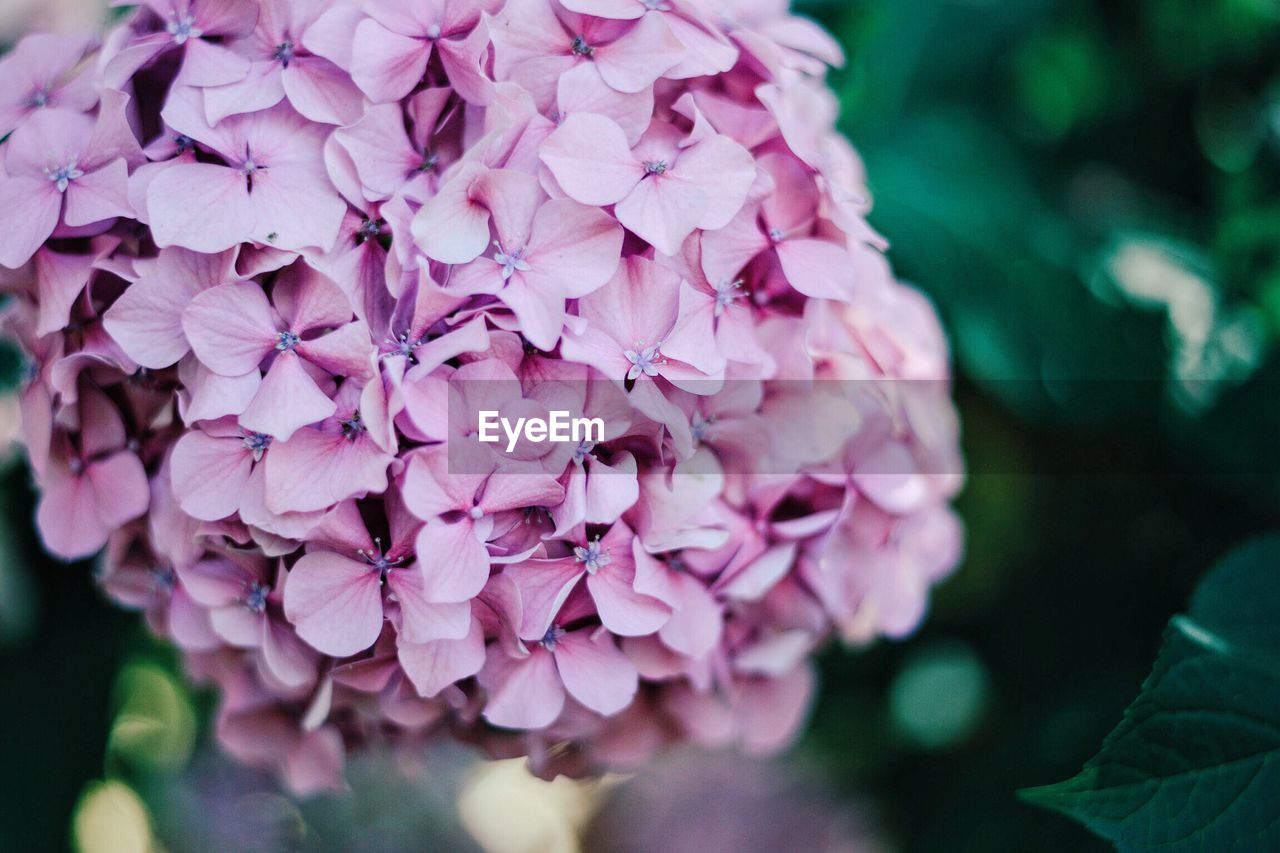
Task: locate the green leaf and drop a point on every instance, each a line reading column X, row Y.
column 1195, row 763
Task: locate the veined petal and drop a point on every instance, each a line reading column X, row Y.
column 591, row 160
column 29, row 211
column 334, row 602
column 595, row 671
column 287, row 400
column 200, row 206
column 454, row 563
column 230, row 327
column 522, row 694
column 435, row 665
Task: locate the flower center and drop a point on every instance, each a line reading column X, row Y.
column 776, row 235
column 402, row 346
column 184, row 29
column 64, row 175
column 553, row 635
column 284, row 53
column 258, row 443
column 644, row 362
column 657, row 5
column 352, row 427
column 580, row 47
column 370, row 229
column 255, row 597
column 429, row 163
column 700, row 427
column 286, row 341
column 433, row 32
column 377, row 559
column 592, row 556
column 583, row 449
column 511, row 262
column 726, row 293
column 39, row 98
column 163, row 577
column 655, row 167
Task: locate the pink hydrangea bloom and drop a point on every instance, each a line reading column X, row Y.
column 271, row 259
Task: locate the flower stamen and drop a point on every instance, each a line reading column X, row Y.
column 644, row 362
column 592, row 556
column 257, row 443
column 184, row 29
column 64, row 175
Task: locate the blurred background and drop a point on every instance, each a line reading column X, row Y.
column 1090, row 191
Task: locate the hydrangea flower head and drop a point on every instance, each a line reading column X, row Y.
column 271, row 261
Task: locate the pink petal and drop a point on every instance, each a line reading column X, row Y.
column 622, row 610
column 505, row 491
column 147, row 319
column 451, row 227
column 347, row 351
column 522, row 694
column 622, row 10
column 29, row 211
column 258, row 90
column 387, row 65
column 207, row 64
column 209, row 396
column 295, row 209
column 544, row 587
column 611, row 489
column 591, row 160
column 237, row 625
column 696, row 623
column 99, row 195
column 723, row 171
column 230, row 327
column 380, row 149
column 430, row 490
column 663, row 210
column 322, row 91
column 465, row 63
column 771, row 710
column 595, row 671
column 573, row 249
column 817, row 268
column 635, row 61
column 61, row 280
column 69, row 519
column 309, row 300
column 120, row 483
column 316, row 469
column 422, row 621
column 727, row 251
column 288, row 658
column 334, row 602
column 435, row 665
column 540, row 315
column 199, row 206
column 210, row 474
column 891, row 478
column 189, row 624
column 227, row 17
column 453, row 562
column 581, row 90
column 287, row 400
column 314, row 764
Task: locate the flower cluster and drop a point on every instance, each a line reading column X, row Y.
column 259, row 251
